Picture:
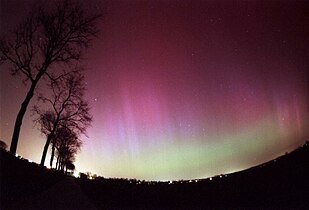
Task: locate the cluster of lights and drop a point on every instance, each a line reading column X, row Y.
column 139, row 182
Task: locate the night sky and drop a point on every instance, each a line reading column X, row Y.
column 182, row 89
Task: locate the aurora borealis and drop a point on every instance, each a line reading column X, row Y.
column 184, row 89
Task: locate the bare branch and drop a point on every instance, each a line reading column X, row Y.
column 45, row 40
column 68, row 111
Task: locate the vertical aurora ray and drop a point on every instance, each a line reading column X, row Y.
column 159, row 135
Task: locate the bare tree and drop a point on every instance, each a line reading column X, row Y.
column 68, row 110
column 44, row 41
column 67, row 145
column 70, row 167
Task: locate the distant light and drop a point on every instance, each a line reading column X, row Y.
column 30, row 161
column 220, row 176
column 170, row 182
column 196, row 180
column 76, row 174
column 210, row 178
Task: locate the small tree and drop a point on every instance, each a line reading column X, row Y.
column 43, row 41
column 70, row 167
column 67, row 145
column 68, row 110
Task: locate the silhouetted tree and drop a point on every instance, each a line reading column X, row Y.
column 68, row 110
column 70, row 167
column 83, row 176
column 3, row 145
column 67, row 145
column 44, row 41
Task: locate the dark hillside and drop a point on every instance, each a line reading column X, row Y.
column 21, row 179
column 281, row 183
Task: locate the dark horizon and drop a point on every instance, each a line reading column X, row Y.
column 280, row 183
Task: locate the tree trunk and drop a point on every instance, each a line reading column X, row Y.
column 20, row 116
column 52, row 156
column 46, row 149
column 24, row 106
column 57, row 163
column 62, row 165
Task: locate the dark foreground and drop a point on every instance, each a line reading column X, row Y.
column 281, row 184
